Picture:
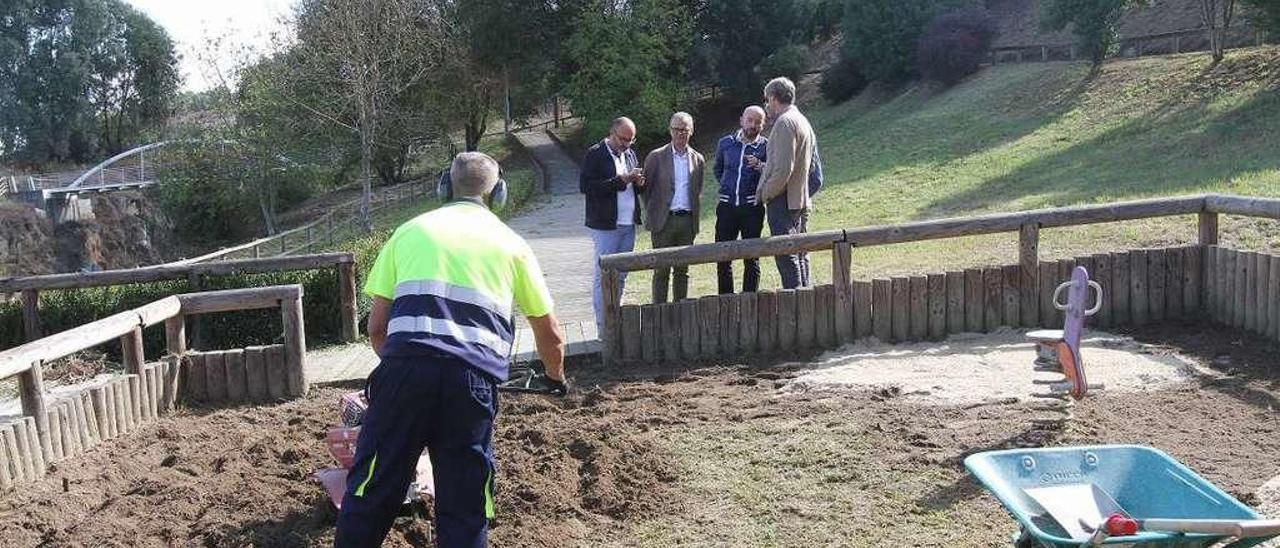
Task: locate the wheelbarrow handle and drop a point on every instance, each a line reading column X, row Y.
column 1235, row 528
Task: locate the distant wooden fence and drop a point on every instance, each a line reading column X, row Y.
column 1164, row 43
column 58, row 426
column 31, row 286
column 1140, row 286
column 308, row 238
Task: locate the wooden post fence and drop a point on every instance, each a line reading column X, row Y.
column 1140, row 286
column 196, row 274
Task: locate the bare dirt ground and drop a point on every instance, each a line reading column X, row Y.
column 722, row 456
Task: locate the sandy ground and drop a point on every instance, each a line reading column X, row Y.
column 972, row 368
column 720, row 456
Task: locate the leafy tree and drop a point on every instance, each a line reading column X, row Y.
column 1265, row 14
column 955, row 43
column 842, row 81
column 369, row 58
column 80, row 79
column 735, row 36
column 1094, row 23
column 790, row 61
column 504, row 56
column 629, row 60
column 881, row 36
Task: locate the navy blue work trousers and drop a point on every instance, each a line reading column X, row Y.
column 445, row 406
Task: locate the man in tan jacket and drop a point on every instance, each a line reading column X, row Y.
column 784, row 182
column 673, row 186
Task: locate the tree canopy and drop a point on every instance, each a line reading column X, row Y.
column 80, row 79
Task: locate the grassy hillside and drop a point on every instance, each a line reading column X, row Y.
column 1026, row 136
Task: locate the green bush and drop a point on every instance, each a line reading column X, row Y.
column 955, row 44
column 842, row 81
column 880, row 36
column 791, row 61
column 1094, row 22
column 1265, row 15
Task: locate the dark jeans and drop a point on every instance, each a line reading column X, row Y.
column 733, row 222
column 677, row 231
column 794, row 269
column 447, row 407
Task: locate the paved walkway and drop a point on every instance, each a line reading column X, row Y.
column 553, row 227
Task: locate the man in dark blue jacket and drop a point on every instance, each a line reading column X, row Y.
column 610, row 177
column 739, row 157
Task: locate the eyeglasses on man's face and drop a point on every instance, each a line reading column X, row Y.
column 681, row 130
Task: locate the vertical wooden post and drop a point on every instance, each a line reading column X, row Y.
column 328, row 220
column 841, row 277
column 669, row 315
column 631, row 327
column 918, row 301
column 974, row 300
column 748, row 325
column 611, row 292
column 937, row 306
column 1208, row 229
column 690, row 330
column 196, row 283
column 901, row 307
column 176, row 341
column 31, row 314
column 650, row 334
column 955, row 302
column 31, row 391
column 133, row 357
column 786, row 323
column 1139, row 305
column 1029, row 264
column 993, row 287
column 295, row 345
column 1263, row 302
column 131, row 351
column 709, row 326
column 347, row 292
column 257, row 251
column 311, row 238
column 1273, row 289
column 862, row 314
column 882, row 309
column 282, row 238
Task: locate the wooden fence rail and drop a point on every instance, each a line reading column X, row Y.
column 55, row 427
column 341, row 219
column 1144, row 284
column 31, row 286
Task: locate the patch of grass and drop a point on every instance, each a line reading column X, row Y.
column 1027, row 136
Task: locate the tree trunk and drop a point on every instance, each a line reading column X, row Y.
column 366, row 153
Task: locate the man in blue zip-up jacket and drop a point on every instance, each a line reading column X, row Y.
column 739, row 158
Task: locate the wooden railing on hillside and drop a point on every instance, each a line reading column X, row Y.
column 1162, row 43
column 31, row 286
column 55, row 427
column 922, row 307
column 342, row 219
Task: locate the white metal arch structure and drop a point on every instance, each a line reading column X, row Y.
column 100, row 169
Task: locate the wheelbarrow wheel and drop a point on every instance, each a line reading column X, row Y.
column 1024, row 540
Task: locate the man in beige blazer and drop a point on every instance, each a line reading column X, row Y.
column 672, row 191
column 784, row 181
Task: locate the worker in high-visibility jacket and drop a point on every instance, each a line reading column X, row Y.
column 443, row 288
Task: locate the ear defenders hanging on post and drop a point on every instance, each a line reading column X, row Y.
column 496, row 200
